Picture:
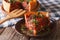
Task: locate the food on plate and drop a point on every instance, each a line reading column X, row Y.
column 30, row 4
column 37, row 22
column 9, row 5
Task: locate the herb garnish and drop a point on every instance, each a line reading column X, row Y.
column 28, row 0
column 34, row 16
column 11, row 1
column 31, row 31
column 23, row 28
column 35, row 21
column 40, row 15
column 21, row 0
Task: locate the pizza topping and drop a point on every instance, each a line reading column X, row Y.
column 36, row 21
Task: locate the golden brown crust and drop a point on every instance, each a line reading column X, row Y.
column 10, row 6
column 34, row 6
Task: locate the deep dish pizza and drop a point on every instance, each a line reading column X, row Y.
column 9, row 5
column 37, row 21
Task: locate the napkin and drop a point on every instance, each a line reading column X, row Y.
column 9, row 23
column 52, row 6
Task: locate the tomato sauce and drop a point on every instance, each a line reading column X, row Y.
column 37, row 23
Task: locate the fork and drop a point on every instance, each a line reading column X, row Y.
column 14, row 14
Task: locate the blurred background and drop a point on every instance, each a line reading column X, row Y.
column 0, row 0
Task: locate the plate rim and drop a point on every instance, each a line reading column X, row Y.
column 23, row 33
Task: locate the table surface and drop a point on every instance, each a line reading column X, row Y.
column 11, row 34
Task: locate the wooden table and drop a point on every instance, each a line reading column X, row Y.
column 11, row 34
